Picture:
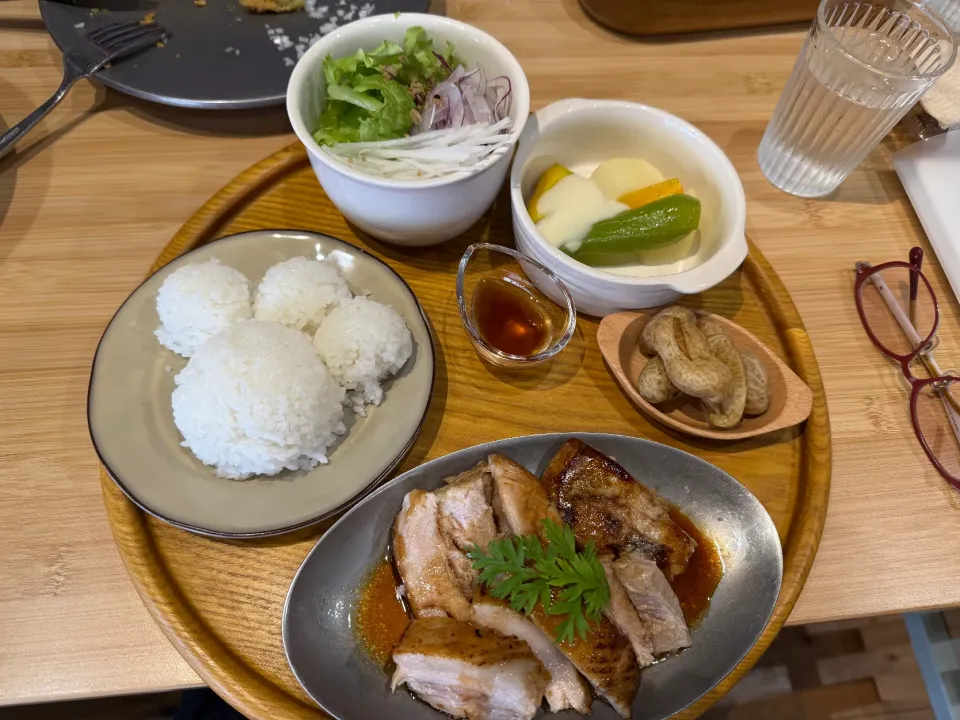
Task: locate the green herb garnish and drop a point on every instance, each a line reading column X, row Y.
column 522, row 571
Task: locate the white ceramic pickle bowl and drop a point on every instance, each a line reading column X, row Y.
column 580, row 134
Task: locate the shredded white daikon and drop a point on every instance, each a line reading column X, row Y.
column 430, row 154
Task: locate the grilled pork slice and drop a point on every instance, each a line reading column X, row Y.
column 656, row 603
column 468, row 671
column 604, row 657
column 520, row 497
column 480, row 470
column 566, row 688
column 603, row 503
column 421, row 556
column 623, row 614
column 466, row 520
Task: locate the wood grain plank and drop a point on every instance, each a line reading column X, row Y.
column 822, row 703
column 881, row 633
column 901, row 687
column 890, row 661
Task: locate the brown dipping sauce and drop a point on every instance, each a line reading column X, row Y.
column 510, row 318
column 380, row 618
column 695, row 587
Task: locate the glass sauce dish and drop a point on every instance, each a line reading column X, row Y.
column 517, row 313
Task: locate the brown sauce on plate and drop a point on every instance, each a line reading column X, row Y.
column 695, row 587
column 510, row 318
column 380, row 618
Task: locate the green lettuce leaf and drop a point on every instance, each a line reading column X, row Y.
column 352, row 96
column 373, row 109
column 420, row 64
column 369, row 95
column 342, row 70
column 395, row 118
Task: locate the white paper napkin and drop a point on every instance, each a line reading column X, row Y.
column 930, row 173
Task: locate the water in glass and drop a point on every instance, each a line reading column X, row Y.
column 861, row 68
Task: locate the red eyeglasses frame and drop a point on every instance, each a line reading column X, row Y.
column 864, row 273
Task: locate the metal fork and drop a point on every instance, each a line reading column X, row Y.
column 108, row 43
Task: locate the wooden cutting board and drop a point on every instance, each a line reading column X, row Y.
column 669, row 17
column 220, row 602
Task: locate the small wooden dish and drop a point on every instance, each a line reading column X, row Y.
column 790, row 398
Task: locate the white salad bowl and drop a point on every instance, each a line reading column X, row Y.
column 406, row 212
column 580, row 134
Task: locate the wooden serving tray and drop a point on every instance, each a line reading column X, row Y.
column 220, row 602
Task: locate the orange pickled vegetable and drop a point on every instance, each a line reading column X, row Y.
column 646, row 195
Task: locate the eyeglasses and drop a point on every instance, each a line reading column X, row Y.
column 899, row 311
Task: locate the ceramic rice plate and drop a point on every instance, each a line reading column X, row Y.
column 131, row 420
column 326, row 657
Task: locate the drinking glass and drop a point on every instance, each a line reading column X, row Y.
column 862, row 66
column 949, row 10
column 899, row 311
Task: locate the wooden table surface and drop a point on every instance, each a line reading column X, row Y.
column 91, row 197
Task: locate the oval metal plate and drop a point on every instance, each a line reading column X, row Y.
column 336, row 672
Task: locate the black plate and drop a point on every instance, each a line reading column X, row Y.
column 218, row 56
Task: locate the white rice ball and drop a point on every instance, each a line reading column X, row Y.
column 362, row 342
column 197, row 301
column 298, row 293
column 256, row 399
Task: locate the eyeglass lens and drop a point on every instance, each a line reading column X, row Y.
column 939, row 424
column 883, row 323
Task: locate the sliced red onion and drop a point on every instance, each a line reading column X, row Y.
column 442, row 119
column 471, row 78
column 428, row 116
column 479, row 106
column 504, row 92
column 453, row 99
column 476, row 80
column 453, row 79
column 465, row 98
column 447, row 111
column 497, row 88
column 503, row 108
column 447, row 94
column 442, row 61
